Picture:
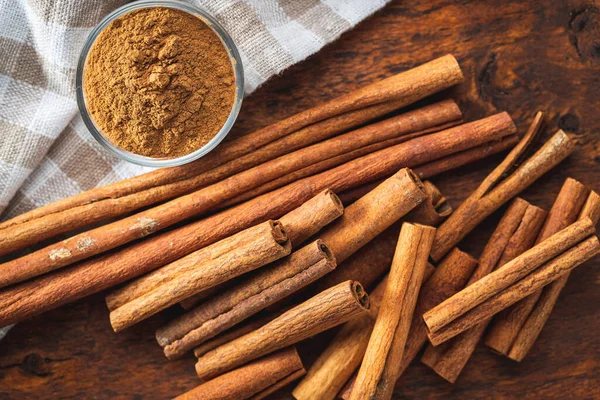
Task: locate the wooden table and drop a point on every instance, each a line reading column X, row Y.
column 518, row 56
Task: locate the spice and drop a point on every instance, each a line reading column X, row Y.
column 158, row 82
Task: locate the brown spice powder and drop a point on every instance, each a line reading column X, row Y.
column 159, row 82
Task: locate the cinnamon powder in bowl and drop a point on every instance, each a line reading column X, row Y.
column 159, row 83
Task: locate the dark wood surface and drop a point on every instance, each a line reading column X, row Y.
column 518, row 56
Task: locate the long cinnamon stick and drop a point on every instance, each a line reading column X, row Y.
column 401, row 89
column 249, row 380
column 326, row 310
column 496, row 190
column 542, row 276
column 254, row 253
column 298, row 224
column 379, row 370
column 264, row 288
column 510, row 273
column 332, row 162
column 449, row 277
column 515, row 233
column 543, row 308
column 144, row 223
column 506, row 325
column 34, row 297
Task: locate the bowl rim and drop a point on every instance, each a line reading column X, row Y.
column 234, row 57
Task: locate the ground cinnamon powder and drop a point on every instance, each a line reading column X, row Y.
column 159, row 82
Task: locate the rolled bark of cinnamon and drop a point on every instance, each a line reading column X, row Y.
column 506, row 325
column 543, row 308
column 48, row 292
column 496, row 189
column 264, row 288
column 251, row 379
column 259, row 250
column 515, row 233
column 398, row 90
column 449, row 277
column 465, row 157
column 330, row 308
column 379, row 370
column 332, row 163
column 373, row 213
column 147, row 222
column 537, row 267
column 298, row 224
column 547, row 273
column 342, row 357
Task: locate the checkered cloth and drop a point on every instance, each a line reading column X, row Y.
column 46, row 153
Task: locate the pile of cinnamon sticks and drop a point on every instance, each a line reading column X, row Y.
column 255, row 244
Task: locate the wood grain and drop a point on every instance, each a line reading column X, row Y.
column 517, row 56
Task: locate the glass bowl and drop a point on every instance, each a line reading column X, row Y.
column 236, row 63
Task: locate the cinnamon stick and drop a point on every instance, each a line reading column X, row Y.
column 254, row 253
column 373, row 213
column 298, row 224
column 496, row 189
column 186, row 265
column 466, row 157
column 34, row 297
column 401, row 89
column 250, row 379
column 380, row 367
column 333, row 162
column 543, row 308
column 147, row 222
column 557, row 253
column 260, row 290
column 324, row 311
column 449, row 277
column 506, row 325
column 515, row 233
column 547, row 273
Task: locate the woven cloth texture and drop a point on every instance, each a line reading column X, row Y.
column 46, row 152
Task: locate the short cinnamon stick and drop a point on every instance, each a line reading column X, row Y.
column 298, row 224
column 401, row 89
column 449, row 277
column 496, row 190
column 510, row 273
column 250, row 379
column 260, row 290
column 326, row 310
column 515, row 233
column 545, row 304
column 343, row 356
column 36, row 296
column 507, row 324
column 374, row 259
column 373, row 213
column 256, row 252
column 542, row 276
column 380, row 367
